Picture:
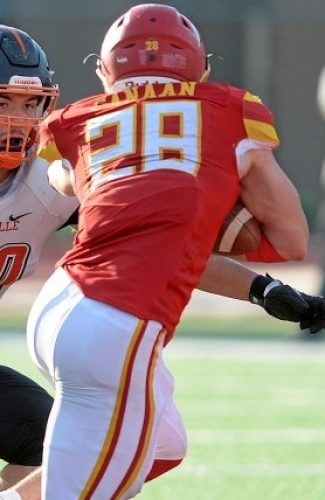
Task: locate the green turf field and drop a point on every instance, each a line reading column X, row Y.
column 254, row 326
column 255, row 414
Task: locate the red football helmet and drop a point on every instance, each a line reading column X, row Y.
column 155, row 40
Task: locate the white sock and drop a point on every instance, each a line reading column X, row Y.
column 10, row 495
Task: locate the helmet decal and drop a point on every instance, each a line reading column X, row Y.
column 19, row 40
column 155, row 40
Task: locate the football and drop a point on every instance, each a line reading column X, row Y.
column 240, row 233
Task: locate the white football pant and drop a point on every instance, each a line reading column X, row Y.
column 113, row 412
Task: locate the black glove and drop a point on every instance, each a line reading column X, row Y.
column 315, row 319
column 286, row 303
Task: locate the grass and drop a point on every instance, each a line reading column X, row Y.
column 236, row 327
column 254, row 326
column 255, row 416
column 256, row 430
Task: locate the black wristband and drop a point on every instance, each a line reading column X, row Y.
column 256, row 292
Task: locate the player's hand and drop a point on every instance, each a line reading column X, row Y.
column 315, row 318
column 286, row 303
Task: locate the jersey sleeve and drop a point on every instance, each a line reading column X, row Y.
column 258, row 121
column 259, row 128
column 47, row 148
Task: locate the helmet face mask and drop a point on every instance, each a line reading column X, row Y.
column 152, row 40
column 15, row 143
column 24, row 71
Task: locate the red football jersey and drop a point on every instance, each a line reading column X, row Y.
column 156, row 174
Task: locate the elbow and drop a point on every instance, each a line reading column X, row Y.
column 299, row 249
column 298, row 256
column 294, row 247
column 297, row 252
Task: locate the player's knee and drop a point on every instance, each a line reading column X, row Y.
column 21, row 439
column 20, row 446
column 24, row 410
column 175, row 443
column 175, row 447
column 180, row 444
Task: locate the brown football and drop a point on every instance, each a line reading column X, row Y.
column 240, row 233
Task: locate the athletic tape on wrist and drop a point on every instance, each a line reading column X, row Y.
column 271, row 285
column 256, row 292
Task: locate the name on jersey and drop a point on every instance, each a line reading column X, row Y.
column 151, row 91
column 7, row 226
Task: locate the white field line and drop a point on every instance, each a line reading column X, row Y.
column 257, row 436
column 254, row 470
column 247, row 349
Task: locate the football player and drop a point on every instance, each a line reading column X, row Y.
column 30, row 209
column 156, row 162
column 154, row 456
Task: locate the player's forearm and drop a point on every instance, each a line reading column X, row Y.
column 224, row 276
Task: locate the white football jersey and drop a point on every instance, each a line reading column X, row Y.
column 29, row 211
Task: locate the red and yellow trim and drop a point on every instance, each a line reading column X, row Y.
column 146, row 432
column 49, row 152
column 258, row 120
column 116, row 422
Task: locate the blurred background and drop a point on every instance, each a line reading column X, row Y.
column 275, row 48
